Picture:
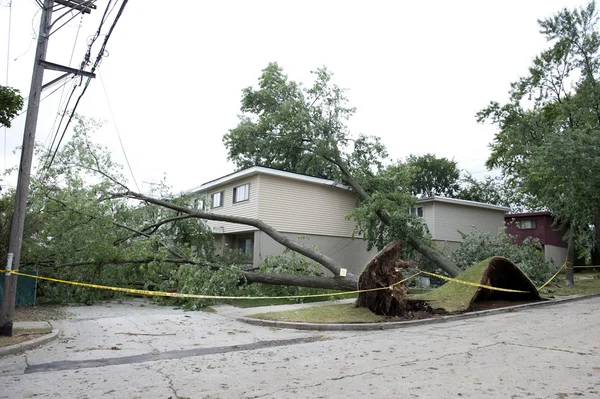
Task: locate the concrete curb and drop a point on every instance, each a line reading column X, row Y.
column 409, row 323
column 23, row 346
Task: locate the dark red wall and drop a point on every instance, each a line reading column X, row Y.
column 543, row 230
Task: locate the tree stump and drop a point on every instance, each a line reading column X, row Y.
column 384, row 270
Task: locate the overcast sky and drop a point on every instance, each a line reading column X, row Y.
column 417, row 72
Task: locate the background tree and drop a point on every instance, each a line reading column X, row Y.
column 11, row 103
column 434, row 176
column 303, row 130
column 495, row 191
column 549, row 132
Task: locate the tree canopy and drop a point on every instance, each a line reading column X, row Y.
column 11, row 103
column 434, row 176
column 548, row 140
column 303, row 130
column 299, row 129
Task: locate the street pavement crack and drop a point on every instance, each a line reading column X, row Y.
column 169, row 381
column 551, row 349
column 375, row 369
column 176, row 354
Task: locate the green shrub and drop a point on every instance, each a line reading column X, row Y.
column 478, row 246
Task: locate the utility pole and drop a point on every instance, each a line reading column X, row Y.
column 24, row 177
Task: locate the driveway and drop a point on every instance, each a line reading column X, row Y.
column 138, row 350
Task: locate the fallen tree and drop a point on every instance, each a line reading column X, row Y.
column 337, row 282
column 289, row 127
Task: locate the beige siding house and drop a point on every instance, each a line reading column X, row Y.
column 313, row 211
column 303, row 208
column 445, row 217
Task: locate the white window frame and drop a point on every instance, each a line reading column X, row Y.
column 200, row 204
column 212, row 199
column 527, row 224
column 241, row 193
column 417, row 211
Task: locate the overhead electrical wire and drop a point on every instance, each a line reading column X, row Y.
column 7, row 66
column 118, row 134
column 51, row 154
column 60, row 102
column 92, row 70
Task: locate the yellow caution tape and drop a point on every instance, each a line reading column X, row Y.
column 564, row 266
column 197, row 296
column 489, row 287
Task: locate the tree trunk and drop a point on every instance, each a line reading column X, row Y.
column 427, row 251
column 332, row 283
column 570, row 259
column 330, row 264
column 349, row 283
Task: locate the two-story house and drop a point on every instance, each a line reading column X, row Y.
column 313, row 210
column 445, row 217
column 303, row 208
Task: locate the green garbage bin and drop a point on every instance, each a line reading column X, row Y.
column 26, row 287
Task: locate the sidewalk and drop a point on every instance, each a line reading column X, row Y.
column 234, row 312
column 34, row 327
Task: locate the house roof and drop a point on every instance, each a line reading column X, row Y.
column 254, row 170
column 527, row 214
column 463, row 202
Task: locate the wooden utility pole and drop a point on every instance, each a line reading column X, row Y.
column 24, row 177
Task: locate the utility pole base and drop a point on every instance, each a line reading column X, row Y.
column 6, row 329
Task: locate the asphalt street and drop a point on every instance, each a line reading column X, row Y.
column 138, row 350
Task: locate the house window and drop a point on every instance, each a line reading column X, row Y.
column 216, row 199
column 526, row 224
column 246, row 246
column 199, row 204
column 417, row 211
column 241, row 193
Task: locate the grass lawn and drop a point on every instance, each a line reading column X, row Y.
column 586, row 283
column 452, row 296
column 338, row 313
column 22, row 335
column 33, row 313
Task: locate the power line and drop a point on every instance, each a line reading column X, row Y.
column 92, row 70
column 118, row 134
column 8, row 40
column 7, row 66
column 60, row 102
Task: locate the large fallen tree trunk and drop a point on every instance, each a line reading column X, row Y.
column 348, row 282
column 427, row 251
column 324, row 260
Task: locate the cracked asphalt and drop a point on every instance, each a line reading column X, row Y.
column 138, row 350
